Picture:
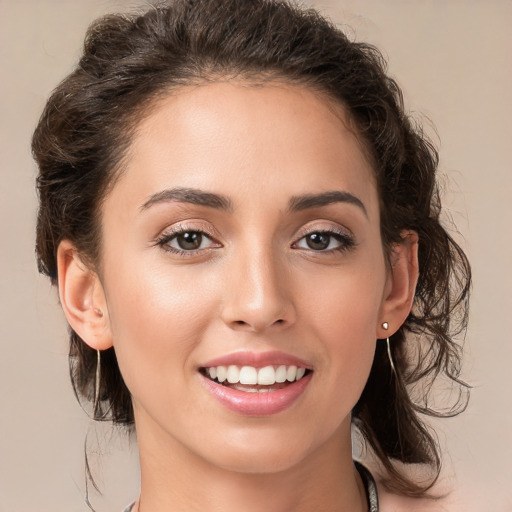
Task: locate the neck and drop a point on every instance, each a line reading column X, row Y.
column 173, row 479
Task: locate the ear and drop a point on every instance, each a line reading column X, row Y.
column 82, row 298
column 401, row 284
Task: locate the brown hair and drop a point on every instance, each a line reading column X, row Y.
column 129, row 61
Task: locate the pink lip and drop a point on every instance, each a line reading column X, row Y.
column 258, row 360
column 257, row 404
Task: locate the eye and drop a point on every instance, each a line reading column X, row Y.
column 187, row 240
column 325, row 241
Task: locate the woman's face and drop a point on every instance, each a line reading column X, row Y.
column 244, row 232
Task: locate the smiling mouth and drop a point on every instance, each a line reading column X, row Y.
column 255, row 380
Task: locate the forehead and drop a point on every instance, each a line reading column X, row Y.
column 231, row 136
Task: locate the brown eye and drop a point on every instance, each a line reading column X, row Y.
column 325, row 241
column 189, row 241
column 318, row 241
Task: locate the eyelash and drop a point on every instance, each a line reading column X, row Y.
column 346, row 241
column 174, row 232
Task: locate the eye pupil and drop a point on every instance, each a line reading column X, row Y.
column 318, row 241
column 189, row 240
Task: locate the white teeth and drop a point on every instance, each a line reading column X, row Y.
column 249, row 375
column 291, row 373
column 233, row 375
column 222, row 373
column 281, row 373
column 266, row 376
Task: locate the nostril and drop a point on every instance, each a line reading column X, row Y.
column 257, row 325
column 243, row 322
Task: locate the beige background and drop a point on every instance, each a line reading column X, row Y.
column 452, row 59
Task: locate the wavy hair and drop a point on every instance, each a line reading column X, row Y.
column 129, row 61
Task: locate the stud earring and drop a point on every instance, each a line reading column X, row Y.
column 98, row 311
column 385, row 326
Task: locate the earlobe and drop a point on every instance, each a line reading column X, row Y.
column 82, row 298
column 401, row 286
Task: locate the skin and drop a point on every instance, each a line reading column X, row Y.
column 254, row 285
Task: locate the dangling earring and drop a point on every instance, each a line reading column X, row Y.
column 97, row 382
column 97, row 379
column 385, row 326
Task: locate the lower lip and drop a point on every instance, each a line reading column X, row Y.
column 257, row 404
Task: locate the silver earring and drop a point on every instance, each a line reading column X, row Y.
column 97, row 381
column 385, row 326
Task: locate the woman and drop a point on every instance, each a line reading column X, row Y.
column 243, row 225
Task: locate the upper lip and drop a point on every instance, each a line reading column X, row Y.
column 257, row 360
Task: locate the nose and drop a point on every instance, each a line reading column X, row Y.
column 257, row 296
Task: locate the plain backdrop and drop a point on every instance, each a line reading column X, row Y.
column 453, row 60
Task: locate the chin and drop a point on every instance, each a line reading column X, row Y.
column 262, row 463
column 261, row 452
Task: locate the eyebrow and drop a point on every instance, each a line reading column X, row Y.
column 189, row 195
column 217, row 201
column 306, row 201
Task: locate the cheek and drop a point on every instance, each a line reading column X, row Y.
column 345, row 316
column 156, row 318
column 349, row 336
